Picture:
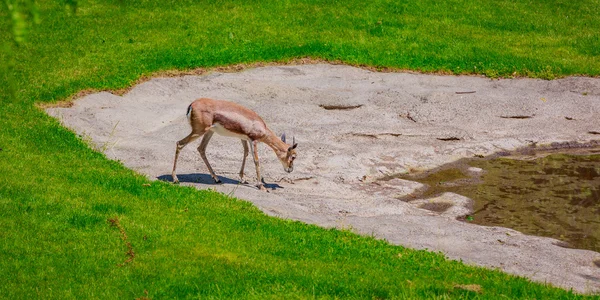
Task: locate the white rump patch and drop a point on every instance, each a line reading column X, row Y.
column 220, row 130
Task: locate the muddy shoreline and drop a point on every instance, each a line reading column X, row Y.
column 547, row 190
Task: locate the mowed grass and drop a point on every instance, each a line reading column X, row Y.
column 58, row 197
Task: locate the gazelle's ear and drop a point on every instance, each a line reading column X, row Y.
column 283, row 137
column 294, row 144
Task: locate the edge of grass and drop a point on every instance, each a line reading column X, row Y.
column 59, row 244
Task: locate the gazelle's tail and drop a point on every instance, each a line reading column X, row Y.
column 189, row 114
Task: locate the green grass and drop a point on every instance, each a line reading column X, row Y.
column 57, row 195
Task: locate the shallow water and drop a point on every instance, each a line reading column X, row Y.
column 555, row 196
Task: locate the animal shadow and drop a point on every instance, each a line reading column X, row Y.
column 206, row 179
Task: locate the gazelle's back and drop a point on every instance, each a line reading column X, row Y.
column 226, row 118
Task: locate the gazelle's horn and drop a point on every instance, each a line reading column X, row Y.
column 283, row 137
column 294, row 145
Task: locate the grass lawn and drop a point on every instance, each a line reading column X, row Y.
column 76, row 225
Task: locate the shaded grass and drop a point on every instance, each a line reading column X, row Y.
column 57, row 195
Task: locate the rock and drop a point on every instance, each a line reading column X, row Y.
column 475, row 170
column 448, row 204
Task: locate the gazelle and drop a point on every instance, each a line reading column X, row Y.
column 207, row 116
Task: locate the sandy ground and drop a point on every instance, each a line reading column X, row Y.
column 391, row 123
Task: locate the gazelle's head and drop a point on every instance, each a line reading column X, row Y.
column 287, row 157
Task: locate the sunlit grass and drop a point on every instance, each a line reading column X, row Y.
column 57, row 195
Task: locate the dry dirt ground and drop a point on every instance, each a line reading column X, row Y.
column 354, row 126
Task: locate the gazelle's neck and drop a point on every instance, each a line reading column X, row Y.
column 276, row 143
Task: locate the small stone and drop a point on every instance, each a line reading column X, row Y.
column 475, row 170
column 448, row 205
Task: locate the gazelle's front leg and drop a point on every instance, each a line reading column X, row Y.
column 245, row 144
column 202, row 150
column 254, row 148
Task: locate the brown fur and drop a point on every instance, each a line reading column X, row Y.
column 234, row 117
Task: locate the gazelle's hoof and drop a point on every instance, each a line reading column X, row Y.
column 262, row 188
column 175, row 180
column 217, row 181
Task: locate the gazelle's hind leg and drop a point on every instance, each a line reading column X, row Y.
column 245, row 144
column 180, row 144
column 202, row 150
